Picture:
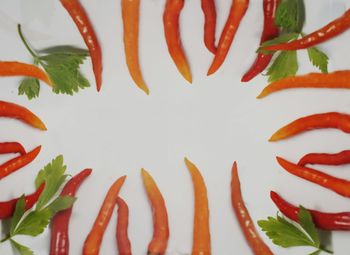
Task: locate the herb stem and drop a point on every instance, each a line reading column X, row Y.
column 19, row 29
column 322, row 248
column 5, row 239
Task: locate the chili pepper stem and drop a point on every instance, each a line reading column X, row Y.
column 35, row 56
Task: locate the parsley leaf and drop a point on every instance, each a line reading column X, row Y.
column 29, row 87
column 286, row 64
column 34, row 223
column 18, row 214
column 290, row 15
column 61, row 203
column 318, row 59
column 22, row 250
column 308, row 225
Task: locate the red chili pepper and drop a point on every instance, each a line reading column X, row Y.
column 209, row 10
column 237, row 12
column 270, row 31
column 325, row 33
column 171, row 16
column 124, row 246
column 83, row 23
column 335, row 159
column 245, row 221
column 12, row 147
column 59, row 244
column 16, row 111
column 326, row 221
column 340, row 186
column 93, row 241
column 335, row 80
column 7, row 208
column 323, row 120
column 17, row 163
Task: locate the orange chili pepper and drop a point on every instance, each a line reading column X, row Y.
column 130, row 13
column 93, row 241
column 15, row 111
column 237, row 12
column 209, row 10
column 160, row 216
column 172, row 35
column 335, row 159
column 124, row 246
column 335, row 80
column 323, row 120
column 13, row 68
column 201, row 230
column 245, row 221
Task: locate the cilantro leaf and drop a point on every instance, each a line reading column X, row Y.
column 18, row 214
column 286, row 64
column 318, row 59
column 61, row 203
column 308, row 225
column 22, row 250
column 29, row 87
column 34, row 223
column 290, row 15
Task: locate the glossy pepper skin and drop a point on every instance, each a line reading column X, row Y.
column 340, row 186
column 59, row 244
column 245, row 221
column 323, row 120
column 7, row 208
column 171, row 17
column 209, row 10
column 325, row 221
column 160, row 216
column 237, row 12
column 130, row 13
column 335, row 80
column 12, row 147
column 93, row 241
column 201, row 229
column 15, row 111
column 123, row 242
column 83, row 23
column 335, row 159
column 17, row 163
column 270, row 31
column 325, row 33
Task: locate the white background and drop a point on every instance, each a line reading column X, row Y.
column 213, row 122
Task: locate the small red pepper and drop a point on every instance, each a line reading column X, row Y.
column 124, row 245
column 209, row 10
column 335, row 159
column 270, row 31
column 12, row 147
column 7, row 208
column 83, row 23
column 59, row 244
column 17, row 163
column 325, row 33
column 326, row 221
column 245, row 221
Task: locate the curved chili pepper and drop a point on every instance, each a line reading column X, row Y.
column 13, row 68
column 7, row 208
column 326, row 221
column 209, row 10
column 93, row 241
column 323, row 120
column 237, row 12
column 160, row 216
column 17, row 163
column 325, row 33
column 130, row 13
column 83, row 23
column 201, row 228
column 59, row 244
column 340, row 186
column 12, row 147
column 16, row 111
column 270, row 31
column 124, row 246
column 171, row 15
column 335, row 80
column 335, row 159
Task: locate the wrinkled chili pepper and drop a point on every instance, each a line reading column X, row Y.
column 325, row 33
column 12, row 147
column 245, row 221
column 93, row 241
column 17, row 163
column 340, row 186
column 270, row 31
column 59, row 244
column 124, row 246
column 209, row 10
column 130, row 13
column 237, row 12
column 160, row 216
column 16, row 111
column 171, row 16
column 326, row 221
column 323, row 120
column 335, row 159
column 83, row 23
column 201, row 228
column 335, row 80
column 7, row 208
